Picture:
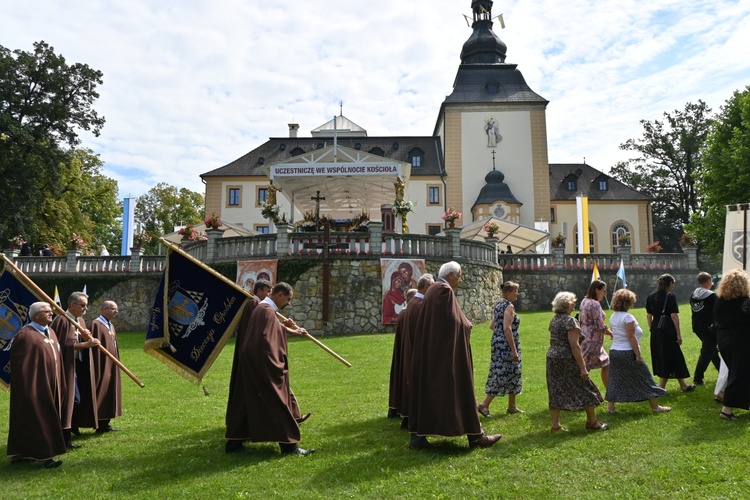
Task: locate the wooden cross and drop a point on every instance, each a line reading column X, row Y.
column 317, row 199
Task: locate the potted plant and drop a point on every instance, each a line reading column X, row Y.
column 491, row 228
column 558, row 241
column 140, row 239
column 624, row 240
column 402, row 207
column 15, row 242
column 213, row 221
column 654, row 247
column 77, row 242
column 451, row 216
column 688, row 240
column 271, row 212
column 188, row 232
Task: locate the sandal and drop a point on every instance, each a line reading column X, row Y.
column 728, row 416
column 597, row 426
column 483, row 410
column 559, row 428
column 515, row 409
column 688, row 388
column 661, row 409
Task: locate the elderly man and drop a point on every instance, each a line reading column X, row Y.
column 74, row 348
column 108, row 383
column 261, row 408
column 36, row 370
column 398, row 400
column 442, row 401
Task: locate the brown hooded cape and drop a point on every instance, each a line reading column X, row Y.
column 107, row 374
column 261, row 403
column 35, row 396
column 403, row 342
column 442, row 401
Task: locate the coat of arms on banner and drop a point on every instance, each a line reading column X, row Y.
column 12, row 318
column 739, row 241
column 186, row 309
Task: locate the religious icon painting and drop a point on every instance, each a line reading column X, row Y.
column 398, row 276
column 250, row 271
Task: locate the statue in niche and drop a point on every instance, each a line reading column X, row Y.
column 493, row 132
column 399, row 185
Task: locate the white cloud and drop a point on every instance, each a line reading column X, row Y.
column 192, row 85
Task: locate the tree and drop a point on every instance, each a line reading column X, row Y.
column 44, row 102
column 725, row 179
column 669, row 164
column 165, row 206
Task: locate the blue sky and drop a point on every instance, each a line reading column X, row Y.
column 190, row 85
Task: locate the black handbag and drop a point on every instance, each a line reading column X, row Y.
column 661, row 325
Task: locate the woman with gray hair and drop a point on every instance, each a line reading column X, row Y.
column 568, row 383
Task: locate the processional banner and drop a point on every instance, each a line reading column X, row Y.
column 15, row 300
column 736, row 248
column 195, row 312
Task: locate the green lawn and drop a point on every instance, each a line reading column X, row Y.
column 170, row 443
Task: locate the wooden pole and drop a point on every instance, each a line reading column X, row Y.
column 235, row 285
column 40, row 293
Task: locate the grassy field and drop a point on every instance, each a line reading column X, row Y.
column 170, row 443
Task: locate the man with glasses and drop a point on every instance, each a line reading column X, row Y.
column 35, row 432
column 108, row 383
column 78, row 389
column 442, row 400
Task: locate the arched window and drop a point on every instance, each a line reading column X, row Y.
column 621, row 236
column 377, row 151
column 297, row 151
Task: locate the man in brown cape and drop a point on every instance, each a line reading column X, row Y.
column 74, row 348
column 403, row 341
column 442, row 401
column 108, row 383
column 261, row 403
column 36, row 382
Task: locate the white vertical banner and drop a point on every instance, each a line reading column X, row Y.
column 542, row 247
column 582, row 214
column 736, row 249
column 128, row 225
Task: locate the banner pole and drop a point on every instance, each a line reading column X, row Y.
column 40, row 293
column 235, row 285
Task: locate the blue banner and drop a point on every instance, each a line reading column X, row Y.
column 194, row 314
column 15, row 300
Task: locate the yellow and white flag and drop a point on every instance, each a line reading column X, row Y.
column 57, row 297
column 595, row 274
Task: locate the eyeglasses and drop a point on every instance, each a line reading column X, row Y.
column 85, row 306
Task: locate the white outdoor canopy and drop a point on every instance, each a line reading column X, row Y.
column 350, row 181
column 520, row 238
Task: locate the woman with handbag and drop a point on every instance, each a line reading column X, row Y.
column 662, row 315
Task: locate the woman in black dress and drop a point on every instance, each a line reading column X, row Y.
column 666, row 354
column 732, row 320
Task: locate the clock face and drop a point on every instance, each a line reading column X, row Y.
column 499, row 212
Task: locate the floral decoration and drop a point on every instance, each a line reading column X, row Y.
column 188, row 232
column 213, row 221
column 402, row 207
column 451, row 216
column 77, row 241
column 491, row 228
column 271, row 212
column 624, row 240
column 688, row 240
column 558, row 240
column 140, row 239
column 654, row 247
column 16, row 242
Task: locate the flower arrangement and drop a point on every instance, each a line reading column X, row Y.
column 140, row 239
column 270, row 212
column 624, row 240
column 16, row 242
column 77, row 242
column 451, row 216
column 654, row 247
column 491, row 228
column 402, row 207
column 359, row 223
column 688, row 240
column 558, row 241
column 188, row 232
column 213, row 221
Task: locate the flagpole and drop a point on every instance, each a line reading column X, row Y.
column 230, row 282
column 40, row 293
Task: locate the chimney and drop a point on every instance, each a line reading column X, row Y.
column 293, row 128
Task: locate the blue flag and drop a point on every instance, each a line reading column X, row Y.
column 194, row 314
column 15, row 300
column 621, row 274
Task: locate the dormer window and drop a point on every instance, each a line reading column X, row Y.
column 416, row 156
column 492, row 87
column 297, row 151
column 571, row 183
column 377, row 151
column 603, row 185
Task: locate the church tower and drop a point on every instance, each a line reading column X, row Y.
column 493, row 110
